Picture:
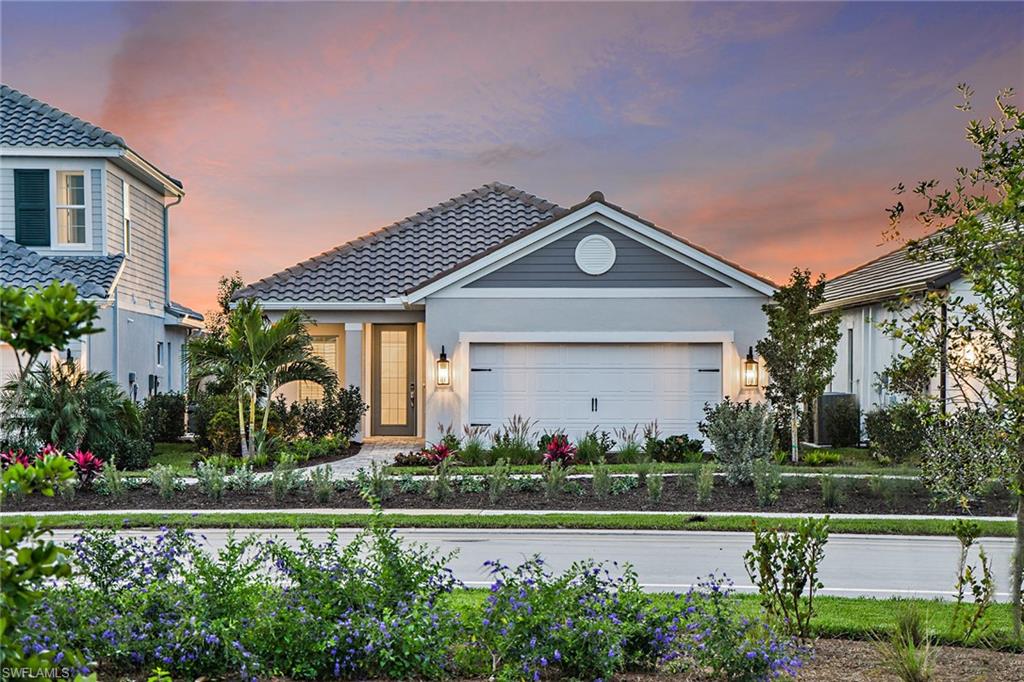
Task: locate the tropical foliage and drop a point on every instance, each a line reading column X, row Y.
column 254, row 357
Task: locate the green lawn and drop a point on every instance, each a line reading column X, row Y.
column 177, row 455
column 852, row 618
column 614, row 521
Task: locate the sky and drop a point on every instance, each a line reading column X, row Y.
column 769, row 133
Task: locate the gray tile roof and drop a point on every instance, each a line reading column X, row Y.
column 181, row 310
column 22, row 267
column 396, row 258
column 27, row 122
column 884, row 278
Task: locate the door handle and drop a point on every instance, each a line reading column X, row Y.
column 412, row 395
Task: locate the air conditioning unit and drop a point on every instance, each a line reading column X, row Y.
column 821, row 407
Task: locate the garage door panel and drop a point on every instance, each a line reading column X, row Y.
column 633, row 384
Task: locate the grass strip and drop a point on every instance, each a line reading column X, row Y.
column 614, row 521
column 845, row 617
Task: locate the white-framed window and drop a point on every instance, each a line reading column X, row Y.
column 126, row 216
column 71, row 208
column 159, row 353
column 326, row 347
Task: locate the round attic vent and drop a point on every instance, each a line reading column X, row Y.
column 595, row 254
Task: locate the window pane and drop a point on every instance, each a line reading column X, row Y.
column 71, row 225
column 326, row 347
column 70, row 188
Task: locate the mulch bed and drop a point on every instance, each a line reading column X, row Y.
column 798, row 496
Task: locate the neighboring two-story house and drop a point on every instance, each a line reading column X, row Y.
column 77, row 204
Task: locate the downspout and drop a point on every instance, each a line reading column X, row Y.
column 117, row 322
column 167, row 247
column 943, row 360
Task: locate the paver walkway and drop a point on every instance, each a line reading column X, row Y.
column 381, row 452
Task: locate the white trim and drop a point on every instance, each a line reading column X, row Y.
column 597, row 337
column 575, row 220
column 353, row 326
column 326, row 305
column 55, row 208
column 76, row 152
column 618, row 292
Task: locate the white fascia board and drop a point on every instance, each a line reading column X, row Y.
column 609, row 292
column 327, row 305
column 724, row 336
column 146, row 168
column 75, row 152
column 575, row 220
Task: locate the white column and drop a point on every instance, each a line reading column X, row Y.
column 354, row 364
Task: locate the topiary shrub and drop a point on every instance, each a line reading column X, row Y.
column 895, row 433
column 336, row 414
column 739, row 433
column 164, row 417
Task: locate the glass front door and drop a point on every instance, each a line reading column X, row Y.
column 394, row 380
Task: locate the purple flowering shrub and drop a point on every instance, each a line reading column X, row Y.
column 360, row 610
column 584, row 624
column 588, row 624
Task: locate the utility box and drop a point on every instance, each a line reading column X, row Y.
column 821, row 407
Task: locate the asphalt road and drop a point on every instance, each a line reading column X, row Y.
column 855, row 565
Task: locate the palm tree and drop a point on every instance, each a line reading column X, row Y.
column 256, row 357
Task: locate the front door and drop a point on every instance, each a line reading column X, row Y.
column 393, row 397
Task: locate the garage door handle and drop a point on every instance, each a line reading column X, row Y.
column 479, row 369
column 707, row 370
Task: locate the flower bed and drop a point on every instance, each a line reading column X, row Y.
column 376, row 609
column 798, row 495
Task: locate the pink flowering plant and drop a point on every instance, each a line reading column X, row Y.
column 560, row 450
column 438, row 453
column 87, row 466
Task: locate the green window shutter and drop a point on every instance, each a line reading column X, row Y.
column 32, row 207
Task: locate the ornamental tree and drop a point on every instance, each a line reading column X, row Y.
column 34, row 322
column 800, row 350
column 977, row 330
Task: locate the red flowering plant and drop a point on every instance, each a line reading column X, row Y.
column 560, row 450
column 11, row 457
column 87, row 465
column 436, row 454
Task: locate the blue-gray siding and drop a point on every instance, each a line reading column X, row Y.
column 635, row 266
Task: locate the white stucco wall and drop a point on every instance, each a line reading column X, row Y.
column 447, row 317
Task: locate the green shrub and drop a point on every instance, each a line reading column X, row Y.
column 784, row 567
column 322, row 483
column 514, row 442
column 212, row 480
column 767, row 482
column 76, row 410
column 165, row 479
column 681, row 448
column 620, row 485
column 896, row 433
column 110, row 481
column 284, row 480
column 740, row 433
column 601, row 480
column 831, row 492
column 593, row 446
column 374, row 483
column 630, row 446
column 221, row 433
column 244, row 479
column 819, row 458
column 164, row 417
column 498, row 481
column 705, row 479
column 338, row 413
column 842, row 423
column 555, row 477
column 441, row 484
column 655, row 486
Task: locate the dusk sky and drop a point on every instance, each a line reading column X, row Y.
column 769, row 133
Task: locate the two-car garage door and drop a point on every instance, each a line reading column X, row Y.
column 577, row 387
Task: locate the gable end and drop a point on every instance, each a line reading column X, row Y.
column 635, row 266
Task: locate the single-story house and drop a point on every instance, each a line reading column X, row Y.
column 498, row 303
column 863, row 296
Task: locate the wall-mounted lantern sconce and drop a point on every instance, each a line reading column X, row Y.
column 444, row 370
column 750, row 374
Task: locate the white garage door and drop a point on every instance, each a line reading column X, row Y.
column 582, row 386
